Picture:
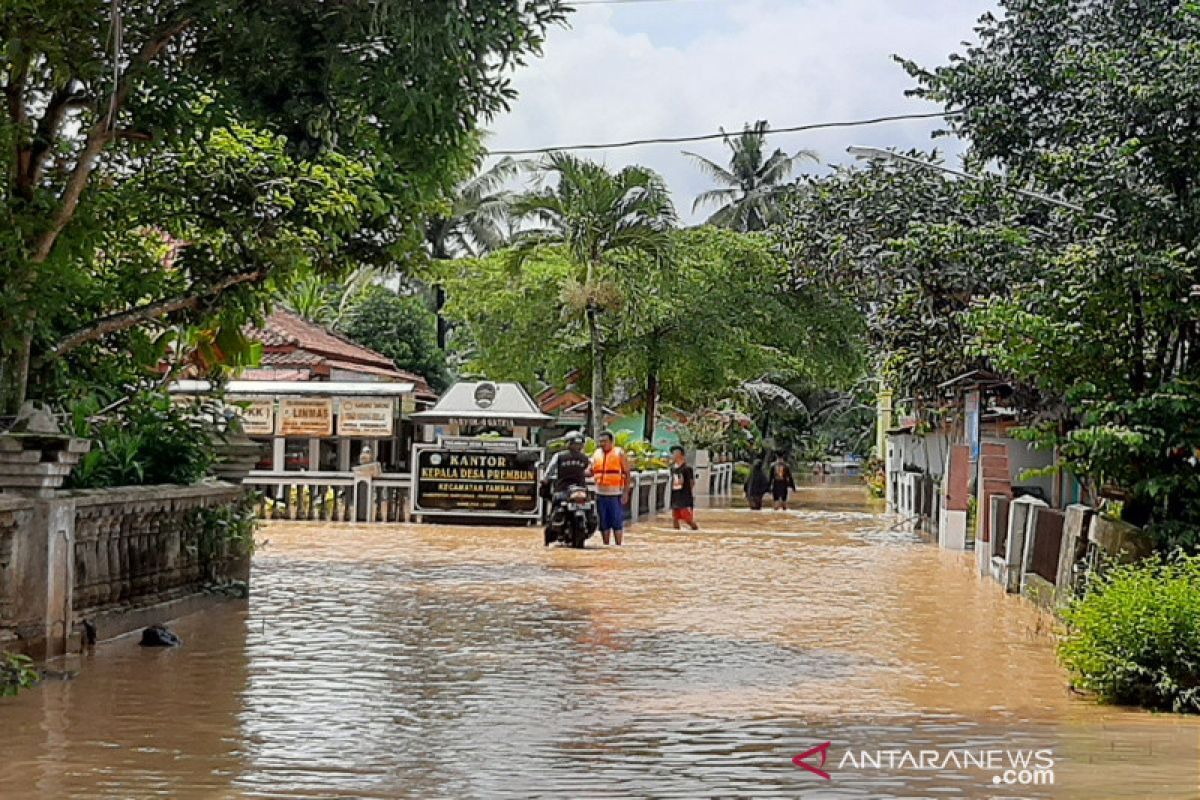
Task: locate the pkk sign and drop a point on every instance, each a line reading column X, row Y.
column 258, row 418
column 365, row 418
column 497, row 482
column 312, row 418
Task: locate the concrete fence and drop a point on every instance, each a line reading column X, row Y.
column 1044, row 553
column 331, row 496
column 118, row 558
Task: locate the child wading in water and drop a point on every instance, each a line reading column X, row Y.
column 683, row 499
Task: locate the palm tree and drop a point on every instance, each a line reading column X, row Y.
column 475, row 225
column 750, row 184
column 595, row 214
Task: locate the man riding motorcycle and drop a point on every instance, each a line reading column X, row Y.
column 568, row 469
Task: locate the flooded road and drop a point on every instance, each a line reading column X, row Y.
column 436, row 662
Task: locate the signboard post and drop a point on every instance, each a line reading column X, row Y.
column 307, row 418
column 468, row 477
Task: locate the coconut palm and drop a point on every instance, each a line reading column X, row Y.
column 750, row 184
column 476, row 224
column 594, row 214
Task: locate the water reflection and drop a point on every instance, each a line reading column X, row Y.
column 442, row 662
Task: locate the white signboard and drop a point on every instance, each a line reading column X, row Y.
column 371, row 418
column 308, row 418
column 258, row 418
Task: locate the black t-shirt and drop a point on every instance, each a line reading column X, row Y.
column 572, row 470
column 682, row 481
column 781, row 475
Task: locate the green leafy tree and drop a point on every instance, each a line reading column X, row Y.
column 751, row 183
column 111, row 108
column 401, row 328
column 913, row 252
column 688, row 326
column 511, row 323
column 595, row 216
column 717, row 312
column 1094, row 102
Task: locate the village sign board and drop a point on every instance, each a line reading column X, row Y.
column 464, row 476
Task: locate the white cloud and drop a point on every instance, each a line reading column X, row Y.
column 691, row 66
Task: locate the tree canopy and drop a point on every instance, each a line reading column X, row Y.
column 150, row 148
column 401, row 328
column 689, row 325
column 595, row 216
column 1095, row 101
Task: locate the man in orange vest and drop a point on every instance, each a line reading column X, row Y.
column 610, row 466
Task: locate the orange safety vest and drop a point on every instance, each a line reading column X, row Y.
column 609, row 468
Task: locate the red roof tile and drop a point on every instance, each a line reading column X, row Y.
column 275, row 375
column 285, row 329
column 290, row 341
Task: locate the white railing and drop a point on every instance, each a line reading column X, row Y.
column 721, row 479
column 331, row 496
column 345, row 497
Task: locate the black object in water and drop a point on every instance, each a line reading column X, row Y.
column 159, row 636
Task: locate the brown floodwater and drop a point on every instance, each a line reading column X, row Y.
column 441, row 662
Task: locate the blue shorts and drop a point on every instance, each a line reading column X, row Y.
column 611, row 509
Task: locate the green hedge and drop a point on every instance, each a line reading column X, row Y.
column 1134, row 637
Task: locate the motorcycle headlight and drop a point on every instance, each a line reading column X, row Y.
column 579, row 496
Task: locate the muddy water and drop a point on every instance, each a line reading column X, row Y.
column 423, row 662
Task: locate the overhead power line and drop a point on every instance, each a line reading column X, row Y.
column 813, row 126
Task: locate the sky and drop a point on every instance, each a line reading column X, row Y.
column 645, row 68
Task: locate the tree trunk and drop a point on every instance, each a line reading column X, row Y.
column 443, row 327
column 597, row 404
column 651, row 411
column 124, row 320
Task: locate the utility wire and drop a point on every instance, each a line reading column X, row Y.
column 814, row 126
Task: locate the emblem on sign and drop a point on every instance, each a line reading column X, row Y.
column 485, row 394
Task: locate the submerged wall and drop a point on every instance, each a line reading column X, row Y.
column 118, row 558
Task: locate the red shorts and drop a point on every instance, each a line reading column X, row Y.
column 682, row 515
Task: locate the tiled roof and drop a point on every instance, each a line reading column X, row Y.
column 291, row 358
column 553, row 401
column 275, row 375
column 285, row 329
column 302, row 347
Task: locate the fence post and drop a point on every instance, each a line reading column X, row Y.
column 364, row 489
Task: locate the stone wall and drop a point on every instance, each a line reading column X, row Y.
column 140, row 545
column 119, row 558
column 16, row 514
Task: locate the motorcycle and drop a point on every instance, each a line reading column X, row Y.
column 573, row 517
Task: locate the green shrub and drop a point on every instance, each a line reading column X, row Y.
column 741, row 473
column 1134, row 637
column 149, row 440
column 224, row 531
column 16, row 673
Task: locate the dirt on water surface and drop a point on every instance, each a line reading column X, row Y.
column 427, row 661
